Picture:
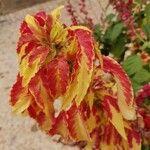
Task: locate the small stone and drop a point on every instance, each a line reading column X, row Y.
column 34, row 128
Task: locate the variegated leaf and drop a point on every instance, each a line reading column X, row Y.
column 63, row 64
column 125, row 91
column 83, row 68
column 55, row 77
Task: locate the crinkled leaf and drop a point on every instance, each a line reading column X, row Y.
column 33, row 24
column 56, row 12
column 31, row 63
column 20, row 97
column 55, row 77
column 118, row 47
column 22, row 104
column 114, row 31
column 98, row 32
column 142, row 76
column 147, row 13
column 83, row 69
column 76, row 124
column 43, row 100
column 116, row 117
column 125, row 92
column 60, row 126
column 136, row 86
column 110, row 17
column 132, row 64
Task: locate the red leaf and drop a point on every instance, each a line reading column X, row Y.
column 55, row 76
column 16, row 90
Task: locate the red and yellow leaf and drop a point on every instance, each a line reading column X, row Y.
column 60, row 127
column 124, row 88
column 83, row 68
column 20, row 97
column 55, row 77
column 43, row 100
column 31, row 63
column 63, row 64
column 76, row 125
column 114, row 115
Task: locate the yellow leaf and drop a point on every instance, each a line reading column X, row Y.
column 105, row 146
column 22, row 104
column 63, row 130
column 50, row 56
column 80, row 128
column 43, row 100
column 136, row 146
column 99, row 55
column 27, row 72
column 90, row 98
column 83, row 80
column 89, row 146
column 128, row 111
column 71, row 48
column 58, row 34
column 48, row 109
column 33, row 24
column 56, row 12
column 22, row 51
column 79, row 27
column 91, row 123
column 78, row 88
column 76, row 125
column 117, row 122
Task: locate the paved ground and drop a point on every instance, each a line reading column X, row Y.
column 7, row 6
column 18, row 133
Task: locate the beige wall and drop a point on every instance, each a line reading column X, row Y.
column 7, row 6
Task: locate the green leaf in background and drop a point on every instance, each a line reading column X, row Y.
column 132, row 64
column 142, row 76
column 146, row 45
column 98, row 33
column 145, row 147
column 136, row 86
column 107, row 35
column 146, row 29
column 147, row 13
column 138, row 1
column 147, row 67
column 119, row 46
column 146, row 102
column 146, row 21
column 114, row 31
column 110, row 17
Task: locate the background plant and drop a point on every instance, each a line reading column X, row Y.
column 125, row 36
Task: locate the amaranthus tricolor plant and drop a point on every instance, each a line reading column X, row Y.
column 62, row 65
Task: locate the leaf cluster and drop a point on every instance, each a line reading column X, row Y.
column 115, row 41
